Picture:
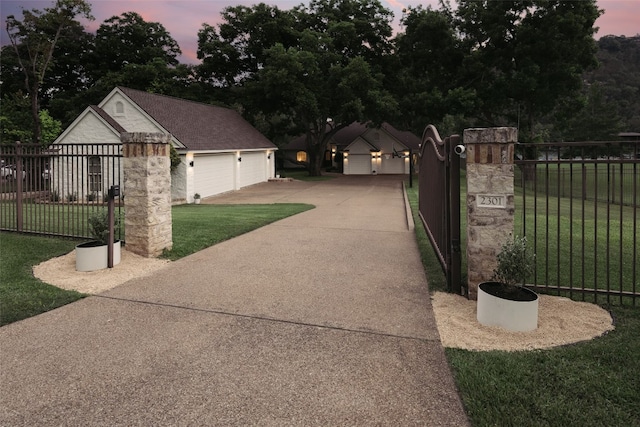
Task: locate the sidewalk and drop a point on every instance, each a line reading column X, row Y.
column 320, row 319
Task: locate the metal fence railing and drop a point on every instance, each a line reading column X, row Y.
column 580, row 205
column 54, row 190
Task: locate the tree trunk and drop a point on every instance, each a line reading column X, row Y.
column 35, row 114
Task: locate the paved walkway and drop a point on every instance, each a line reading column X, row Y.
column 321, row 319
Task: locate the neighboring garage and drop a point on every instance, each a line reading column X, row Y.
column 357, row 164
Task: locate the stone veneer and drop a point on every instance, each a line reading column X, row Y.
column 147, row 191
column 490, row 201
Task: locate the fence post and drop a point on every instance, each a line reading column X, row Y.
column 490, row 201
column 147, row 192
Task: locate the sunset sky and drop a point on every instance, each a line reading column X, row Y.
column 184, row 18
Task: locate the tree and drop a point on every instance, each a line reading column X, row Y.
column 129, row 39
column 35, row 39
column 425, row 70
column 523, row 56
column 313, row 71
column 235, row 51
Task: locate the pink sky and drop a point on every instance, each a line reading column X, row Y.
column 184, row 18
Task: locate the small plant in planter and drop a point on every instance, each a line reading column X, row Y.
column 93, row 255
column 99, row 226
column 196, row 198
column 515, row 265
column 504, row 301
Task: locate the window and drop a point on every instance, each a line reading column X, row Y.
column 94, row 174
column 119, row 108
column 301, row 156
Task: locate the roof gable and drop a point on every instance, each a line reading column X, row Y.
column 109, row 123
column 198, row 126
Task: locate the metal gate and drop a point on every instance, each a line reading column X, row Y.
column 439, row 201
column 54, row 190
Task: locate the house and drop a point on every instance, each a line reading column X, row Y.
column 219, row 150
column 361, row 150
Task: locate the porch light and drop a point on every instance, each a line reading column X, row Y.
column 239, row 159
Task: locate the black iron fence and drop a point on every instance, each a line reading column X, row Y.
column 54, row 190
column 580, row 205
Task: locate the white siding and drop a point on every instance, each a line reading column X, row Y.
column 132, row 119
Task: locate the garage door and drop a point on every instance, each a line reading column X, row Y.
column 253, row 169
column 214, row 174
column 392, row 165
column 359, row 164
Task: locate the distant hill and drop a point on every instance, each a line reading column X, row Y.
column 619, row 77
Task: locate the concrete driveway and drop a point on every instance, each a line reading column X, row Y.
column 320, row 319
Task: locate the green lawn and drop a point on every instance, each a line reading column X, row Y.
column 195, row 227
column 594, row 383
column 21, row 294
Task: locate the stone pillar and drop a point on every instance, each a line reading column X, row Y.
column 147, row 191
column 490, row 201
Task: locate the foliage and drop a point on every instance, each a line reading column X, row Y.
column 34, row 40
column 515, row 263
column 51, row 127
column 618, row 79
column 517, row 73
column 174, row 158
column 98, row 223
column 129, row 39
column 424, row 72
column 317, row 65
column 482, row 63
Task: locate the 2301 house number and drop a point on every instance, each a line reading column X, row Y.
column 491, row 201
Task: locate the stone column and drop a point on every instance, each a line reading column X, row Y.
column 490, row 201
column 147, row 191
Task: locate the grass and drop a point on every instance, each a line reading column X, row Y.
column 21, row 294
column 195, row 227
column 593, row 383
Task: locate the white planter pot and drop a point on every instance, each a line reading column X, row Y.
column 518, row 316
column 91, row 257
column 196, row 201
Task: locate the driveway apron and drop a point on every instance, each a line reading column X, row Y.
column 323, row 318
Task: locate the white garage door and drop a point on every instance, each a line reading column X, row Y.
column 392, row 165
column 253, row 169
column 214, row 174
column 359, row 164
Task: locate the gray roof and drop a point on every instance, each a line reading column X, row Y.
column 199, row 126
column 106, row 117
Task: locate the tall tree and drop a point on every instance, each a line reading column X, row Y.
column 424, row 72
column 35, row 39
column 316, row 69
column 129, row 39
column 525, row 55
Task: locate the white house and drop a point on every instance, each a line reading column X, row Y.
column 219, row 150
column 361, row 150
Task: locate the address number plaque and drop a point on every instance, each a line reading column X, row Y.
column 491, row 201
